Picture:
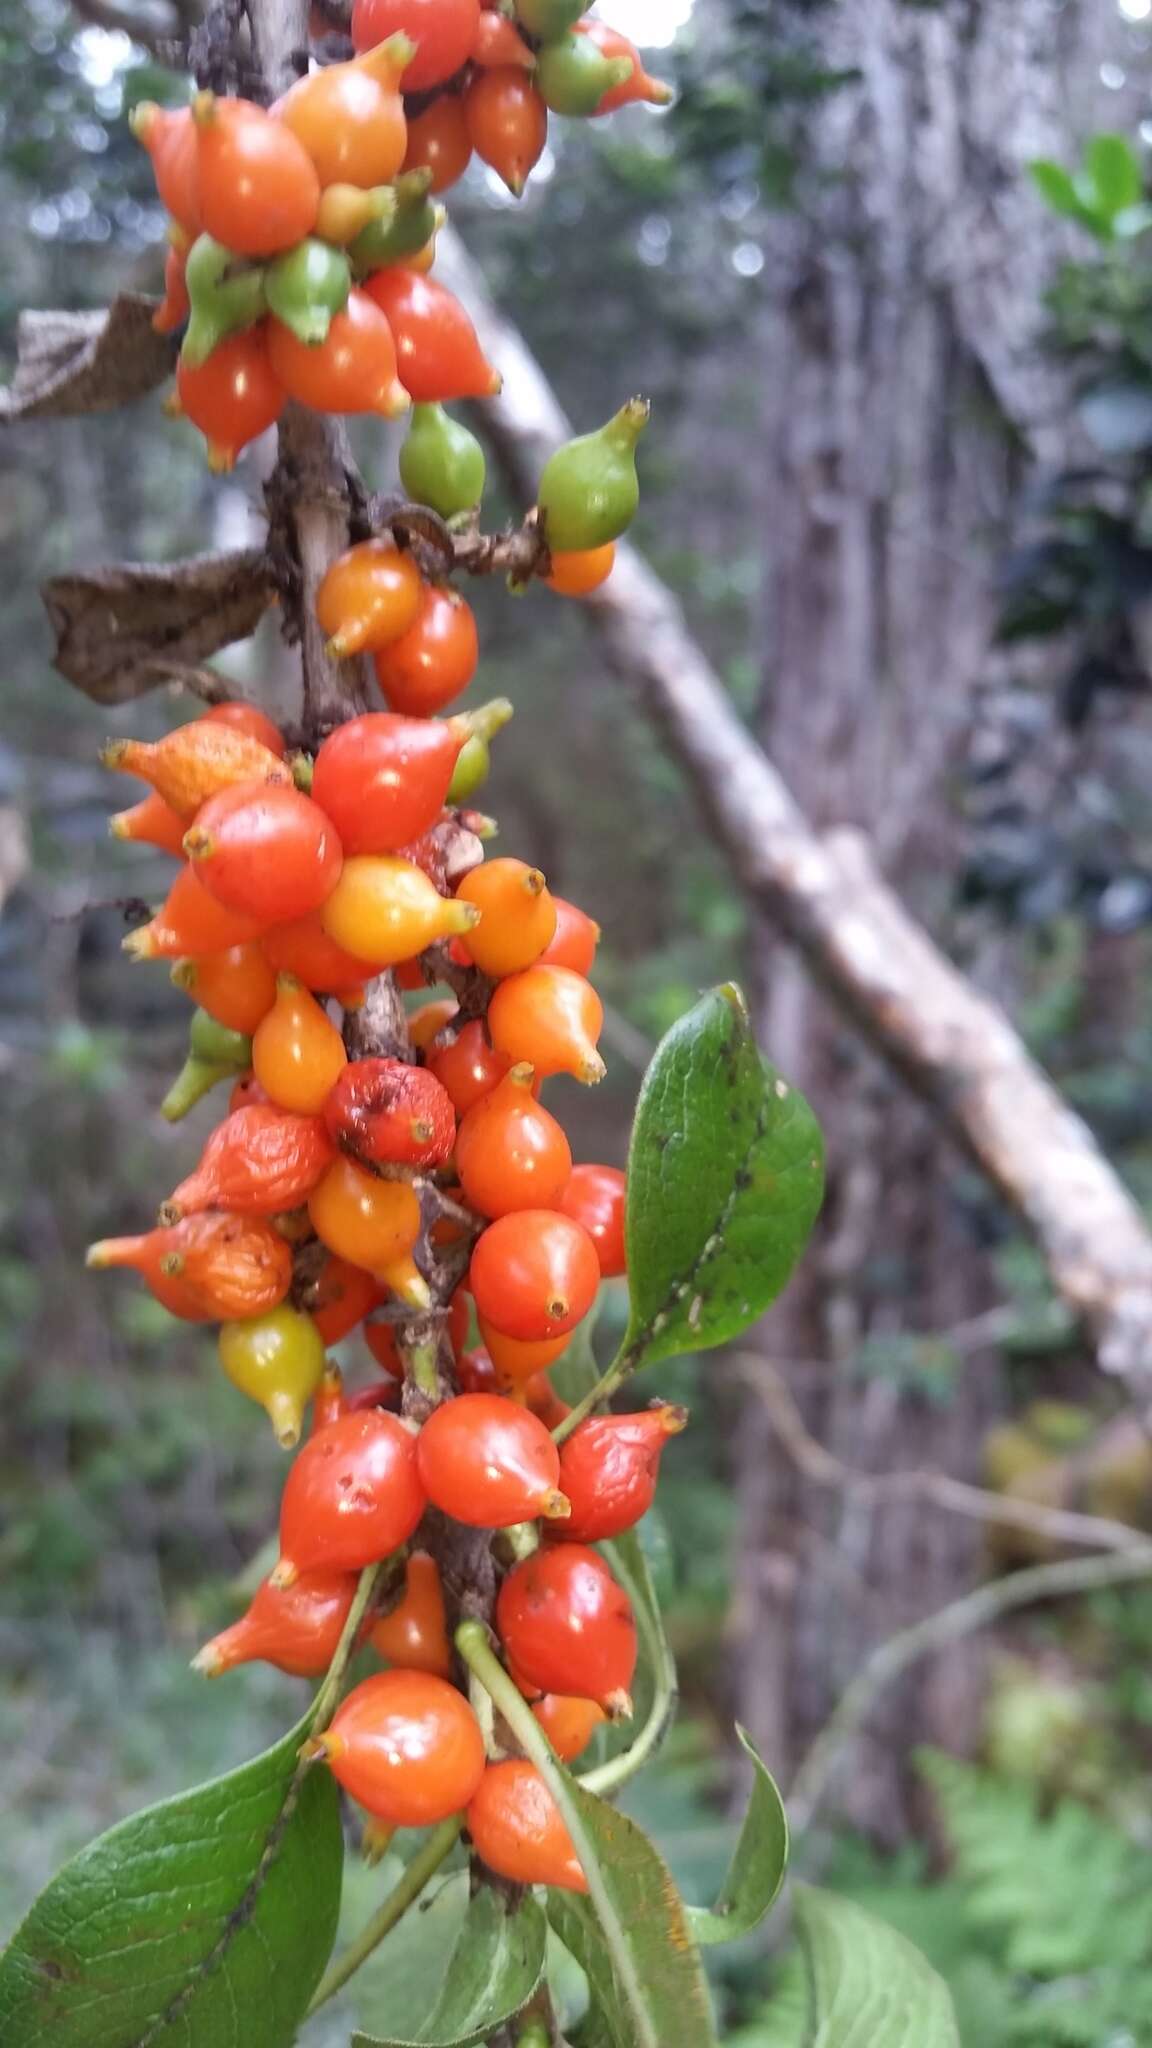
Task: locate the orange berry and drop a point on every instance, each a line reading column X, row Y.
column 517, row 916
column 374, row 1223
column 195, row 762
column 297, row 1052
column 350, row 117
column 438, row 141
column 414, row 1634
column 258, row 187
column 385, row 909
column 551, row 1018
column 370, row 595
column 506, row 122
column 238, row 987
column 352, row 370
column 581, row 571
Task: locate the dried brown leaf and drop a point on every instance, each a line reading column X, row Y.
column 71, row 363
column 119, row 630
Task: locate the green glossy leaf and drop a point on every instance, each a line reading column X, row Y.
column 1114, row 170
column 204, row 1922
column 725, row 1179
column 869, row 1987
column 758, row 1864
column 1059, row 190
column 637, row 1952
column 454, row 1970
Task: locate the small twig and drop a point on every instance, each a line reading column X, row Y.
column 407, row 1889
column 962, row 1617
column 1059, row 1525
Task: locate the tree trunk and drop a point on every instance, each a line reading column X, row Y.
column 903, row 390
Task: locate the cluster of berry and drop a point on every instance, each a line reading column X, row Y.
column 302, row 234
column 404, row 1182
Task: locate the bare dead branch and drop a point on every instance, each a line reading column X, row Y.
column 68, row 363
column 950, row 1042
column 125, row 630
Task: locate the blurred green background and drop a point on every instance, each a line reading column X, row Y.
column 900, row 477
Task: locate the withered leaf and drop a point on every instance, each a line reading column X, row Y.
column 118, row 630
column 71, row 363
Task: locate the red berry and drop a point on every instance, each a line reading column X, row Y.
column 258, row 188
column 352, row 1497
column 469, row 1067
column 517, row 1830
column 385, row 1113
column 426, row 667
column 576, row 939
column 595, row 1197
column 266, row 851
column 340, row 1298
column 407, row 1746
column 383, row 779
column 438, row 354
column 414, row 1634
column 568, row 1627
column 444, row 32
column 234, row 397
column 510, row 1151
column 534, row 1274
column 488, row 1462
column 258, row 1162
column 609, row 1468
column 568, row 1723
column 294, row 1627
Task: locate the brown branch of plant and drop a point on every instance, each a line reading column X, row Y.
column 826, row 894
column 938, row 1489
column 980, row 1609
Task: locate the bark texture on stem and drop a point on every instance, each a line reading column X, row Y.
column 826, row 893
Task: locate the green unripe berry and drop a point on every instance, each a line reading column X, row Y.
column 403, row 229
column 441, row 462
column 306, row 287
column 589, row 491
column 573, row 75
column 473, row 764
column 548, row 18
column 225, row 295
column 214, row 1054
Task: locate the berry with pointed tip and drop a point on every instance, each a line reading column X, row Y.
column 438, row 353
column 234, row 397
column 506, row 122
column 550, row 1017
column 151, row 822
column 174, row 308
column 236, row 988
column 595, row 1196
column 534, row 1274
column 206, row 1267
column 303, row 948
column 225, row 296
column 372, row 1222
column 471, row 771
column 350, row 117
column 516, row 1360
column 307, row 286
column 195, row 762
column 247, row 718
column 385, row 909
column 499, row 42
column 352, row 370
column 468, row 1066
column 575, row 939
column 487, row 1462
column 407, row 1746
column 610, row 1465
column 639, row 85
column 383, row 779
column 568, row 1627
column 257, row 185
column 414, row 1633
column 296, row 1628
column 568, row 1723
column 297, row 1053
column 441, row 462
column 517, row 916
column 352, row 1497
column 370, row 595
column 169, row 136
column 276, row 1359
column 398, row 233
column 511, row 1153
column 443, row 33
column 388, row 1113
column 190, row 921
column 517, row 1829
column 340, row 1297
column 573, row 75
column 215, row 1053
column 259, row 1162
column 345, row 211
column 589, row 491
column 433, row 662
column 270, row 853
column 439, row 142
column 580, row 573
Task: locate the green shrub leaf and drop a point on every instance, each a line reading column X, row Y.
column 205, row 1921
column 869, row 1987
column 756, row 1871
column 1114, row 169
column 725, row 1179
column 454, row 1970
column 1059, row 190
